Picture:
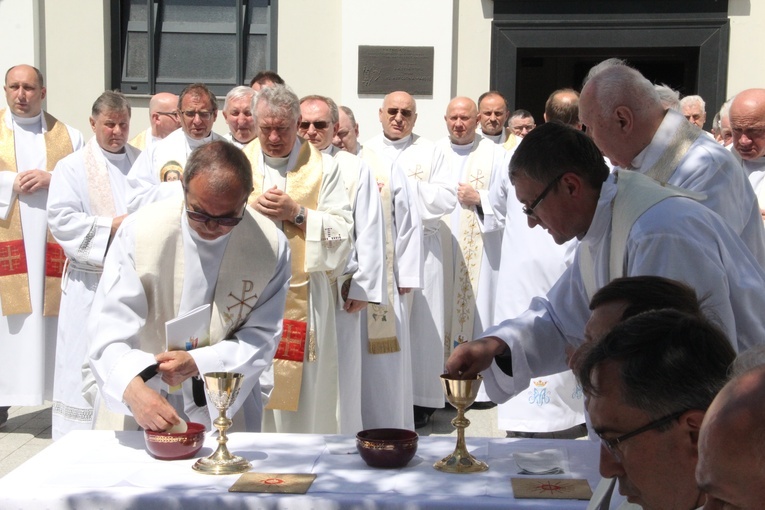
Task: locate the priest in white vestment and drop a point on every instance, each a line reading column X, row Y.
column 347, row 136
column 665, row 146
column 86, row 205
column 150, row 176
column 622, row 223
column 428, row 171
column 476, row 231
column 747, row 120
column 238, row 110
column 492, row 117
column 363, row 279
column 303, row 192
column 167, row 260
column 31, row 143
column 163, row 120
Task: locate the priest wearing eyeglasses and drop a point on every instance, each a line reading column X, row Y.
column 428, row 170
column 197, row 111
column 302, row 191
column 168, row 259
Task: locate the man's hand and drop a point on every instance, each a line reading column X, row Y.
column 404, row 290
column 471, row 358
column 116, row 222
column 354, row 305
column 176, row 366
column 762, row 213
column 29, row 181
column 467, row 195
column 149, row 408
column 277, row 205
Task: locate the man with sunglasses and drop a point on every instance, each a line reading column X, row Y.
column 168, row 259
column 648, row 384
column 627, row 225
column 428, row 170
column 197, row 110
column 302, row 191
column 163, row 120
column 363, row 279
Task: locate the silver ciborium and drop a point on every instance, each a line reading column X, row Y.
column 460, row 393
column 222, row 389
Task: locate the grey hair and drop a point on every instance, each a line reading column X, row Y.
column 670, row 98
column 280, row 101
column 334, row 114
column 240, row 92
column 689, row 100
column 350, row 115
column 110, row 101
column 748, row 360
column 602, row 66
column 725, row 108
column 621, row 85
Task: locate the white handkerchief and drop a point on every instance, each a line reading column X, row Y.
column 545, row 462
column 341, row 445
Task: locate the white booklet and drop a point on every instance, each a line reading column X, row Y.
column 189, row 331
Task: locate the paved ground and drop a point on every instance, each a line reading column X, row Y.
column 28, row 431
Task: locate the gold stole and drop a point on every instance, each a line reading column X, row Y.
column 381, row 319
column 303, row 186
column 681, row 142
column 99, row 183
column 511, row 141
column 470, row 241
column 14, row 282
column 139, row 142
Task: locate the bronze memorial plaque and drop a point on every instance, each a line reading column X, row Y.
column 384, row 69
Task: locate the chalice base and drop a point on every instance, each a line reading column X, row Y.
column 222, row 463
column 460, row 462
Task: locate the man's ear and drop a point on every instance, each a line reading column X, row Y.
column 625, row 118
column 572, row 184
column 691, row 422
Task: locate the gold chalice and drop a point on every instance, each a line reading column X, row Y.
column 222, row 388
column 461, row 393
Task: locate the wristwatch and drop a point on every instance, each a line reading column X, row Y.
column 300, row 218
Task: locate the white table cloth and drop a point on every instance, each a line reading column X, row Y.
column 112, row 470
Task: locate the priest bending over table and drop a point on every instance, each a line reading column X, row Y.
column 168, row 259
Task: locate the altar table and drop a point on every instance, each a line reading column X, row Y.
column 112, row 471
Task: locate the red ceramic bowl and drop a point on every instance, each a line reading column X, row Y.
column 183, row 445
column 387, row 448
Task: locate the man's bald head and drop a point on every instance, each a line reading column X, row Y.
column 747, row 123
column 622, row 112
column 731, row 463
column 461, row 120
column 398, row 115
column 163, row 114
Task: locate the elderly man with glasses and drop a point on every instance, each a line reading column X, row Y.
column 627, row 225
column 429, row 173
column 647, row 385
column 302, row 191
column 171, row 258
column 197, row 110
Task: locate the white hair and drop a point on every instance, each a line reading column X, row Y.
column 690, row 100
column 240, row 92
column 670, row 98
column 620, row 85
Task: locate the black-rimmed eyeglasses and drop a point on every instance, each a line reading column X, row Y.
column 528, row 210
column 613, row 444
column 169, row 114
column 190, row 114
column 223, row 221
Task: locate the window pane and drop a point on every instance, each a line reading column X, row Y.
column 259, row 11
column 138, row 10
column 257, row 57
column 137, row 53
column 197, row 57
column 200, row 11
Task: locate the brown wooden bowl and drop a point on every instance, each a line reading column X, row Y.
column 387, row 448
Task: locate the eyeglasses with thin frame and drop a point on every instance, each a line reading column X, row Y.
column 317, row 124
column 404, row 112
column 223, row 221
column 613, row 444
column 204, row 115
column 169, row 114
column 528, row 210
